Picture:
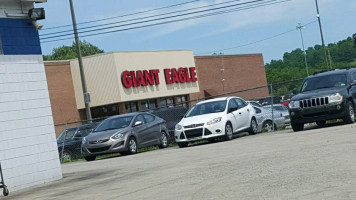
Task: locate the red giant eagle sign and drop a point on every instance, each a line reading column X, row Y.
column 144, row 77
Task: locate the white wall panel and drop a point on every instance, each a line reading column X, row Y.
column 28, row 148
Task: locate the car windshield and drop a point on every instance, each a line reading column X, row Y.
column 207, row 108
column 335, row 80
column 114, row 123
column 66, row 134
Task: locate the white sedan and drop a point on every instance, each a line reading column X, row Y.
column 219, row 117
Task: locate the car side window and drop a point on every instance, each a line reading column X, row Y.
column 83, row 132
column 139, row 118
column 149, row 118
column 257, row 110
column 354, row 78
column 240, row 103
column 232, row 105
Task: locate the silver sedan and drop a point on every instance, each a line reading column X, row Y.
column 125, row 134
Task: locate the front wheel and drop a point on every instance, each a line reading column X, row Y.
column 5, row 191
column 297, row 126
column 182, row 144
column 350, row 113
column 253, row 127
column 164, row 141
column 132, row 146
column 66, row 156
column 90, row 158
column 228, row 131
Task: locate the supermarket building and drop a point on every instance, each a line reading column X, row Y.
column 123, row 82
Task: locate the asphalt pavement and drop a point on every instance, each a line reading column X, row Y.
column 319, row 163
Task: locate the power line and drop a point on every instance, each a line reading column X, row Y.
column 271, row 2
column 136, row 13
column 158, row 19
column 258, row 41
column 145, row 17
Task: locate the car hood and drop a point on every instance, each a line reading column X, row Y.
column 317, row 93
column 104, row 134
column 199, row 119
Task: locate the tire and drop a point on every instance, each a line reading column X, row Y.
column 182, row 144
column 164, row 141
column 66, row 156
column 267, row 126
column 5, row 191
column 89, row 158
column 297, row 126
column 132, row 146
column 253, row 127
column 350, row 113
column 321, row 123
column 228, row 131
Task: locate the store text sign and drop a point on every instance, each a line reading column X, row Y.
column 151, row 77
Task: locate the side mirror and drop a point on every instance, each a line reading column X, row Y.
column 295, row 91
column 138, row 123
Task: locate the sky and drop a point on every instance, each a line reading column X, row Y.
column 251, row 28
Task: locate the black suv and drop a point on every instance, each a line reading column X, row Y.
column 325, row 96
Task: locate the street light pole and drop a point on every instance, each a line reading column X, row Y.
column 300, row 27
column 321, row 34
column 82, row 75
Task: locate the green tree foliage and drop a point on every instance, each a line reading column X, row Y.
column 292, row 66
column 70, row 52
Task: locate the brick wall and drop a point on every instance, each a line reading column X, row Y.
column 230, row 73
column 61, row 92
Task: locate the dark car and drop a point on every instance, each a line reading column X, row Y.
column 71, row 140
column 325, row 96
column 125, row 134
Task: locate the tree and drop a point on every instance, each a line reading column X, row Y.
column 70, row 52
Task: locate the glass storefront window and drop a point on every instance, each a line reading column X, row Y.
column 182, row 101
column 131, row 106
column 148, row 104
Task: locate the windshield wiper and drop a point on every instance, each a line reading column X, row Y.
column 106, row 129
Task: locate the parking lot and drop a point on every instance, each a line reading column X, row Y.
column 312, row 164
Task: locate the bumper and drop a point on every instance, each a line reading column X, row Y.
column 111, row 146
column 200, row 133
column 320, row 113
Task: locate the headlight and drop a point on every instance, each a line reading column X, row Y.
column 178, row 127
column 84, row 140
column 118, row 136
column 335, row 98
column 214, row 121
column 294, row 104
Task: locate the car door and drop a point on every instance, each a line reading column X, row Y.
column 77, row 139
column 153, row 129
column 243, row 117
column 232, row 112
column 140, row 131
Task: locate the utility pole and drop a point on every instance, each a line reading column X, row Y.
column 82, row 75
column 321, row 34
column 300, row 27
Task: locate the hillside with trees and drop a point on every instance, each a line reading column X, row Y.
column 340, row 55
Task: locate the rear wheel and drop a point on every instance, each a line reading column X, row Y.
column 228, row 131
column 164, row 141
column 253, row 127
column 182, row 144
column 66, row 156
column 89, row 158
column 267, row 126
column 350, row 113
column 297, row 126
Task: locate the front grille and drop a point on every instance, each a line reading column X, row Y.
column 194, row 125
column 101, row 149
column 194, row 133
column 98, row 141
column 307, row 103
